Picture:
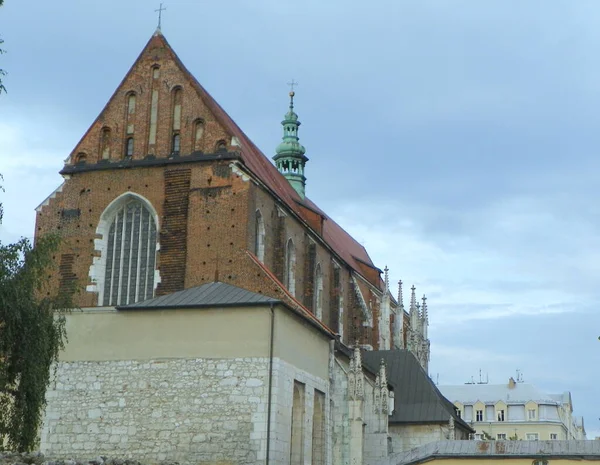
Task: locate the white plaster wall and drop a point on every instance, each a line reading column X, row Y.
column 187, row 410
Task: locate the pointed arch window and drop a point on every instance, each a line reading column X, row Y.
column 259, row 231
column 290, row 267
column 318, row 293
column 129, row 253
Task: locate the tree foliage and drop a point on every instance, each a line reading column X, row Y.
column 32, row 333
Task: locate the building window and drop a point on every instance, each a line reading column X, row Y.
column 221, row 146
column 531, row 414
column 458, row 413
column 500, row 415
column 318, row 294
column 176, row 143
column 130, row 255
column 318, row 432
column 131, row 104
column 129, row 147
column 198, row 133
column 478, row 436
column 297, row 433
column 532, row 436
column 259, row 238
column 130, row 118
column 501, row 436
column 81, row 158
column 479, row 415
column 290, row 267
column 105, row 140
column 553, row 436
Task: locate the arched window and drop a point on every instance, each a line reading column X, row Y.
column 259, row 231
column 129, row 252
column 198, row 133
column 176, row 143
column 129, row 147
column 130, row 116
column 290, row 267
column 176, row 110
column 221, row 146
column 131, row 104
column 81, row 158
column 318, row 293
column 105, row 143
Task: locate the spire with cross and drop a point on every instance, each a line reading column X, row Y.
column 160, row 10
column 290, row 159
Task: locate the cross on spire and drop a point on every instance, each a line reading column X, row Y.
column 292, row 84
column 160, row 10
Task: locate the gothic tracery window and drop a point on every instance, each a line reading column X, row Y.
column 130, row 254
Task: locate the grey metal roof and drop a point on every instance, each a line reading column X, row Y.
column 589, row 450
column 208, row 295
column 416, row 398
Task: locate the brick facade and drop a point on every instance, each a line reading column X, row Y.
column 205, row 200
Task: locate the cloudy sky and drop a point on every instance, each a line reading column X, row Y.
column 457, row 139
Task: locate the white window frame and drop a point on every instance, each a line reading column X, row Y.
column 531, row 416
column 555, row 438
column 477, row 416
column 97, row 271
column 478, row 437
column 537, row 436
column 500, row 413
column 503, row 438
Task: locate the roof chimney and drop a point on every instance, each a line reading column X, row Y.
column 511, row 383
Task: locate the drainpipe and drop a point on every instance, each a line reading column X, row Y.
column 271, row 337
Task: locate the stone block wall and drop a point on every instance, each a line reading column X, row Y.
column 186, row 410
column 194, row 410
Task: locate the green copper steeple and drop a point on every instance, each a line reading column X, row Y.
column 290, row 158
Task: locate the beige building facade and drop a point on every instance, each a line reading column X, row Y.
column 516, row 411
column 232, row 380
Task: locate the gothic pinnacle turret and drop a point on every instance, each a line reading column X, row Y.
column 290, row 159
column 400, row 296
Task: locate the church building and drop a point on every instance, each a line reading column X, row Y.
column 223, row 316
